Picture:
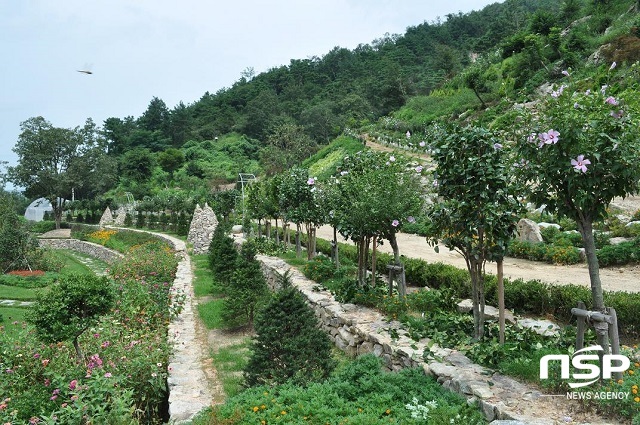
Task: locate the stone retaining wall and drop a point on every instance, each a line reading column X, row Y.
column 91, row 249
column 358, row 330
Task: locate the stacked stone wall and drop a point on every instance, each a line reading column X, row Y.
column 92, row 249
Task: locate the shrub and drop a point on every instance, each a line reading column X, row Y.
column 70, row 307
column 246, row 289
column 289, row 345
column 623, row 253
column 222, row 254
column 319, row 269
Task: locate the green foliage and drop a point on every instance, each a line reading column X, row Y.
column 123, row 381
column 18, row 248
column 325, row 163
column 358, row 392
column 246, row 290
column 551, row 253
column 620, row 254
column 222, row 254
column 289, row 344
column 70, row 307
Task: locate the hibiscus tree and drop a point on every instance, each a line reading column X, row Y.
column 579, row 154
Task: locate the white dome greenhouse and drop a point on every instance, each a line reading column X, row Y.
column 35, row 211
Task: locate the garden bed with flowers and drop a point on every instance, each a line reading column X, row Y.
column 121, row 377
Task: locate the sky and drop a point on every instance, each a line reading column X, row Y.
column 176, row 51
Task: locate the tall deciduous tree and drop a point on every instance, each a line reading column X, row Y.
column 45, row 157
column 476, row 211
column 579, row 153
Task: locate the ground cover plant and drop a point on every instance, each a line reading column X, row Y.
column 122, row 376
column 358, row 392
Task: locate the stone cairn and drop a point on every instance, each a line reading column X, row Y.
column 107, row 218
column 203, row 224
column 121, row 214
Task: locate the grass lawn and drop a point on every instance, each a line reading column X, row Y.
column 210, row 313
column 230, row 361
column 17, row 293
column 9, row 316
column 203, row 282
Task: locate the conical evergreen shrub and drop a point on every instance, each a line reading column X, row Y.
column 289, row 344
column 247, row 289
column 222, row 254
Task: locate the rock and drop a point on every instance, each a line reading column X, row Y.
column 528, row 231
column 544, row 225
column 237, row 228
column 540, row 326
column 490, row 312
column 632, row 223
column 618, row 241
column 121, row 214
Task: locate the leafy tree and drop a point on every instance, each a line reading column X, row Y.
column 376, row 195
column 299, row 205
column 170, row 160
column 579, row 153
column 71, row 306
column 288, row 145
column 477, row 210
column 156, row 117
column 224, row 202
column 289, row 345
column 45, row 157
column 16, row 243
column 137, row 164
column 247, row 288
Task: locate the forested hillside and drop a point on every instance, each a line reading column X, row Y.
column 474, row 64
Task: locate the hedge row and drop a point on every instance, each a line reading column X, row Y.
column 523, row 297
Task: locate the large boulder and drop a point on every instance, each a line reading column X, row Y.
column 529, row 231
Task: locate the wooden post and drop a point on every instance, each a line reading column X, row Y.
column 582, row 325
column 615, row 339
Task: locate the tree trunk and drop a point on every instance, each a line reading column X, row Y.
column 365, row 256
column 267, row 229
column 259, row 228
column 76, row 345
column 585, row 226
column 500, row 264
column 298, row 245
column 373, row 262
column 57, row 211
column 335, row 252
column 402, row 284
column 277, row 233
column 477, row 295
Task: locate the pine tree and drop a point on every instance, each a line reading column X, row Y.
column 289, row 344
column 247, row 288
column 222, row 254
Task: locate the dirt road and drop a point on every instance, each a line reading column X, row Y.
column 613, row 278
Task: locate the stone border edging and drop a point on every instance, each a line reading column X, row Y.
column 89, row 248
column 359, row 330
